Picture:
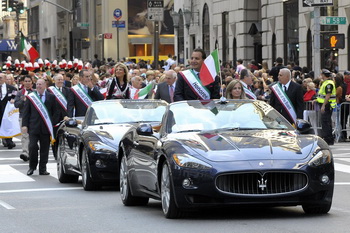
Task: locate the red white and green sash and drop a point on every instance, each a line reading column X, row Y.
column 285, row 101
column 79, row 91
column 41, row 108
column 195, row 84
column 59, row 96
column 248, row 92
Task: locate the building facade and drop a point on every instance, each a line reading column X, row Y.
column 259, row 30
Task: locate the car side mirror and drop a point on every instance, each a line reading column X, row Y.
column 144, row 129
column 71, row 123
column 304, row 127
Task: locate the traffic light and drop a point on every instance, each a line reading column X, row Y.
column 334, row 41
column 12, row 5
column 4, row 5
column 20, row 8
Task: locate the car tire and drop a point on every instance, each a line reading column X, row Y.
column 87, row 182
column 125, row 194
column 317, row 209
column 169, row 207
column 62, row 176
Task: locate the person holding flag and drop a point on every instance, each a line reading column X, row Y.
column 136, row 90
column 37, row 121
column 82, row 95
column 202, row 81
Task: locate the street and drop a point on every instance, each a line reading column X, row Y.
column 42, row 204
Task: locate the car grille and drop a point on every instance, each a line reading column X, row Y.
column 262, row 184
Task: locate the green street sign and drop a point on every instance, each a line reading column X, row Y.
column 331, row 20
column 86, row 25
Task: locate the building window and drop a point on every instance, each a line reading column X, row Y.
column 273, row 48
column 309, row 50
column 181, row 40
column 225, row 38
column 205, row 30
column 348, row 48
column 291, row 31
column 33, row 21
column 234, row 52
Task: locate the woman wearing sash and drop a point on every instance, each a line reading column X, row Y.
column 235, row 90
column 117, row 86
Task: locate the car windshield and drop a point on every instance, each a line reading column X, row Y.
column 232, row 115
column 125, row 111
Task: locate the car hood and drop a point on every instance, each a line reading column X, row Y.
column 247, row 145
column 110, row 134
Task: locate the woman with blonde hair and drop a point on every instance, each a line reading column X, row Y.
column 118, row 86
column 235, row 90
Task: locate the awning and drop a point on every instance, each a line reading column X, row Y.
column 8, row 46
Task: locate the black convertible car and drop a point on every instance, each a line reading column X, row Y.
column 225, row 153
column 90, row 149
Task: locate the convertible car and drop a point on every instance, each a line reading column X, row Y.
column 225, row 153
column 90, row 148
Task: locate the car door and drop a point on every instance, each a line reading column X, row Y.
column 145, row 160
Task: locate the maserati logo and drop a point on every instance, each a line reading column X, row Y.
column 261, row 164
column 262, row 183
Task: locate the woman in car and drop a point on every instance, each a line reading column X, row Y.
column 118, row 86
column 235, row 90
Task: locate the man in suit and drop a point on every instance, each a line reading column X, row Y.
column 20, row 100
column 82, row 95
column 66, row 78
column 276, row 69
column 38, row 126
column 294, row 92
column 61, row 95
column 165, row 90
column 183, row 91
column 7, row 93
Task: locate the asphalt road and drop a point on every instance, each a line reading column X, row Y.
column 40, row 204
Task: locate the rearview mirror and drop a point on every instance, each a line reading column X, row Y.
column 304, row 127
column 72, row 123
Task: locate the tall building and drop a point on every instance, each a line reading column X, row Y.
column 260, row 30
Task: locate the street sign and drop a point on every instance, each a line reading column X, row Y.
column 83, row 25
column 118, row 24
column 331, row 20
column 108, row 35
column 309, row 3
column 117, row 14
column 155, row 10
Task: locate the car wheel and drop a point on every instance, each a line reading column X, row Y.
column 317, row 209
column 62, row 176
column 88, row 184
column 169, row 207
column 127, row 198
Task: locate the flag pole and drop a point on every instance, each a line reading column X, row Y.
column 220, row 76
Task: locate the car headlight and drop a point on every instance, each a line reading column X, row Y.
column 99, row 146
column 320, row 157
column 188, row 161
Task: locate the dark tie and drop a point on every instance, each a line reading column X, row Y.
column 171, row 93
column 41, row 96
column 285, row 88
column 0, row 92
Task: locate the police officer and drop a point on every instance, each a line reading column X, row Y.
column 327, row 101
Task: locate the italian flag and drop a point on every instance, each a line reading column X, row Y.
column 27, row 49
column 142, row 93
column 210, row 68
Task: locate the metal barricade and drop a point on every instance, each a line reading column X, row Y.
column 342, row 124
column 312, row 115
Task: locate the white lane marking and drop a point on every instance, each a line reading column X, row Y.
column 341, row 167
column 9, row 175
column 344, row 159
column 342, row 183
column 38, row 190
column 6, row 206
column 9, row 150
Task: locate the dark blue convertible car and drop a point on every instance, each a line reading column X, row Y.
column 208, row 153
